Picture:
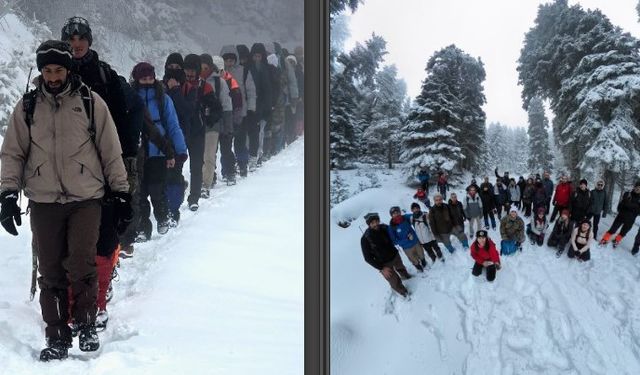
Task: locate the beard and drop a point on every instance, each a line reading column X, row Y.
column 55, row 87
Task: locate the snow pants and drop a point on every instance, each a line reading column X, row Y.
column 618, row 222
column 227, row 158
column 636, row 243
column 153, row 186
column 210, row 156
column 133, row 165
column 499, row 211
column 489, row 215
column 537, row 238
column 240, row 143
column 475, row 224
column 596, row 221
column 195, row 144
column 576, row 254
column 262, row 129
column 175, row 187
column 253, row 130
column 490, row 271
column 558, row 243
column 557, row 209
column 65, row 236
column 527, row 208
column 432, row 250
column 399, row 271
column 415, row 254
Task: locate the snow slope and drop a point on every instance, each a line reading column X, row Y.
column 221, row 294
column 542, row 315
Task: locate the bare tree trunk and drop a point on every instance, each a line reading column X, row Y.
column 609, row 181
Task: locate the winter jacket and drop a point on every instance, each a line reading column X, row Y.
column 500, row 194
column 512, row 230
column 166, row 123
column 423, row 176
column 539, row 227
column 403, row 233
column 199, row 95
column 580, row 238
column 561, row 232
column 245, row 80
column 481, row 254
column 440, row 219
column 505, row 179
column 183, row 108
column 421, row 226
column 548, row 187
column 292, row 81
column 580, row 204
column 59, row 162
column 443, row 183
column 527, row 195
column 522, row 184
column 134, row 119
column 514, row 193
column 457, row 213
column 539, row 196
column 278, row 84
column 473, row 186
column 377, row 247
column 629, row 206
column 488, row 202
column 260, row 73
column 598, row 201
column 225, row 124
column 473, row 206
column 102, row 79
column 563, row 195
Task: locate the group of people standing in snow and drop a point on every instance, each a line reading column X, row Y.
column 89, row 148
column 580, row 211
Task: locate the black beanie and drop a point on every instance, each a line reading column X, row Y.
column 174, row 58
column 415, row 205
column 243, row 52
column 54, row 52
column 193, row 62
column 77, row 26
column 583, row 181
column 206, row 58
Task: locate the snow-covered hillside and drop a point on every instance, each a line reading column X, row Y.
column 542, row 315
column 221, row 294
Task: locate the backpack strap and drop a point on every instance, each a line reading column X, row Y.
column 88, row 102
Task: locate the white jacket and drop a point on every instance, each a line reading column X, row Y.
column 421, row 225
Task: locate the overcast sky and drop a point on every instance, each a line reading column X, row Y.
column 492, row 29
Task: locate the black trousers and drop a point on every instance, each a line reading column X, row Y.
column 253, row 130
column 539, row 240
column 556, row 209
column 618, row 222
column 636, row 243
column 432, row 250
column 227, row 158
column 153, row 186
column 196, row 161
column 555, row 242
column 574, row 254
column 527, row 208
column 491, row 271
column 240, row 143
column 596, row 221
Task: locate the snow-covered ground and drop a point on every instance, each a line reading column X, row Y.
column 220, row 294
column 542, row 315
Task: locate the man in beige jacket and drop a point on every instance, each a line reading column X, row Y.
column 64, row 159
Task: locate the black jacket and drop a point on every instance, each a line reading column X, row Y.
column 377, row 247
column 457, row 213
column 440, row 219
column 488, row 201
column 134, row 119
column 629, row 206
column 264, row 92
column 561, row 233
column 184, row 109
column 580, row 204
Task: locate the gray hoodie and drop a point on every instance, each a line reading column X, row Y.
column 247, row 88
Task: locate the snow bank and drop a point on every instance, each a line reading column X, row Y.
column 221, row 294
column 542, row 315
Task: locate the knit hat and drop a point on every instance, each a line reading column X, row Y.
column 243, row 52
column 192, row 62
column 583, row 182
column 174, row 58
column 54, row 52
column 142, row 70
column 513, row 209
column 218, row 62
column 206, row 58
column 394, row 209
column 368, row 218
column 76, row 26
column 415, row 205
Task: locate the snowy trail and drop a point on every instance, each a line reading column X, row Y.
column 542, row 315
column 220, row 294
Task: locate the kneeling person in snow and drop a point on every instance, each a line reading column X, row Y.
column 403, row 236
column 420, row 222
column 512, row 232
column 581, row 241
column 378, row 250
column 536, row 229
column 561, row 233
column 484, row 252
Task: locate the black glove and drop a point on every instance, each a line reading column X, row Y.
column 10, row 211
column 123, row 210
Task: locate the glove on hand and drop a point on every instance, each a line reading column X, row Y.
column 123, row 209
column 10, row 211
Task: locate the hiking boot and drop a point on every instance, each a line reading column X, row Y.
column 419, row 267
column 88, row 338
column 253, row 161
column 74, row 329
column 55, row 350
column 194, row 207
column 101, row 320
column 634, row 251
column 126, row 252
column 605, row 239
column 142, row 237
column 163, row 227
column 243, row 172
column 559, row 253
column 423, row 262
column 204, row 193
column 617, row 240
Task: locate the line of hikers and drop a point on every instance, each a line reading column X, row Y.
column 577, row 225
column 89, row 148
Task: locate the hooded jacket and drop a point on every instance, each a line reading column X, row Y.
column 225, row 124
column 403, row 233
column 60, row 163
column 247, row 86
column 563, row 194
column 481, row 254
column 260, row 73
column 377, row 247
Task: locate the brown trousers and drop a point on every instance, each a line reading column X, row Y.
column 415, row 254
column 65, row 236
column 399, row 271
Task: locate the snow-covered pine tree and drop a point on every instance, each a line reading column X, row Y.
column 589, row 69
column 338, row 6
column 339, row 190
column 540, row 157
column 343, row 132
column 446, row 107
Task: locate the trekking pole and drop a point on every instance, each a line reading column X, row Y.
column 360, row 227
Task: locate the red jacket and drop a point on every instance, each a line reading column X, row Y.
column 563, row 194
column 420, row 195
column 480, row 254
